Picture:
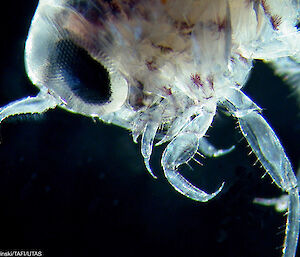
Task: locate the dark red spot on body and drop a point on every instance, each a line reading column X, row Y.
column 276, row 21
column 197, row 80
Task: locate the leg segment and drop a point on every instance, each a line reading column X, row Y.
column 181, row 149
column 270, row 153
column 209, row 150
column 38, row 104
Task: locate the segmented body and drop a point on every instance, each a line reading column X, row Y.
column 169, row 65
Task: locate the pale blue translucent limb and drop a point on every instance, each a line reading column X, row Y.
column 289, row 69
column 182, row 149
column 292, row 224
column 122, row 118
column 152, row 121
column 29, row 105
column 177, row 125
column 280, row 204
column 147, row 143
column 268, row 149
column 206, row 148
column 138, row 126
column 266, row 146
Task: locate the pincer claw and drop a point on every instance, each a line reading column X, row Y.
column 180, row 151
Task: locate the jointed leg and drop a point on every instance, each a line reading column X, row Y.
column 38, row 104
column 270, row 153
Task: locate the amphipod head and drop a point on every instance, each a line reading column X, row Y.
column 63, row 55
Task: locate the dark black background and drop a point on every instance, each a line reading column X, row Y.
column 73, row 187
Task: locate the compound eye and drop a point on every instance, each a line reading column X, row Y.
column 87, row 78
column 84, row 84
column 63, row 63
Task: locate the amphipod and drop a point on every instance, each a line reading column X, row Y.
column 161, row 70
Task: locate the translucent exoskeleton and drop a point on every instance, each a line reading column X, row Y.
column 162, row 68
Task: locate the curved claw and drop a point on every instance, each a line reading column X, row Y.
column 147, row 144
column 152, row 124
column 180, row 151
column 209, row 150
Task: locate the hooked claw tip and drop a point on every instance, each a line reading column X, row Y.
column 147, row 164
column 184, row 187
